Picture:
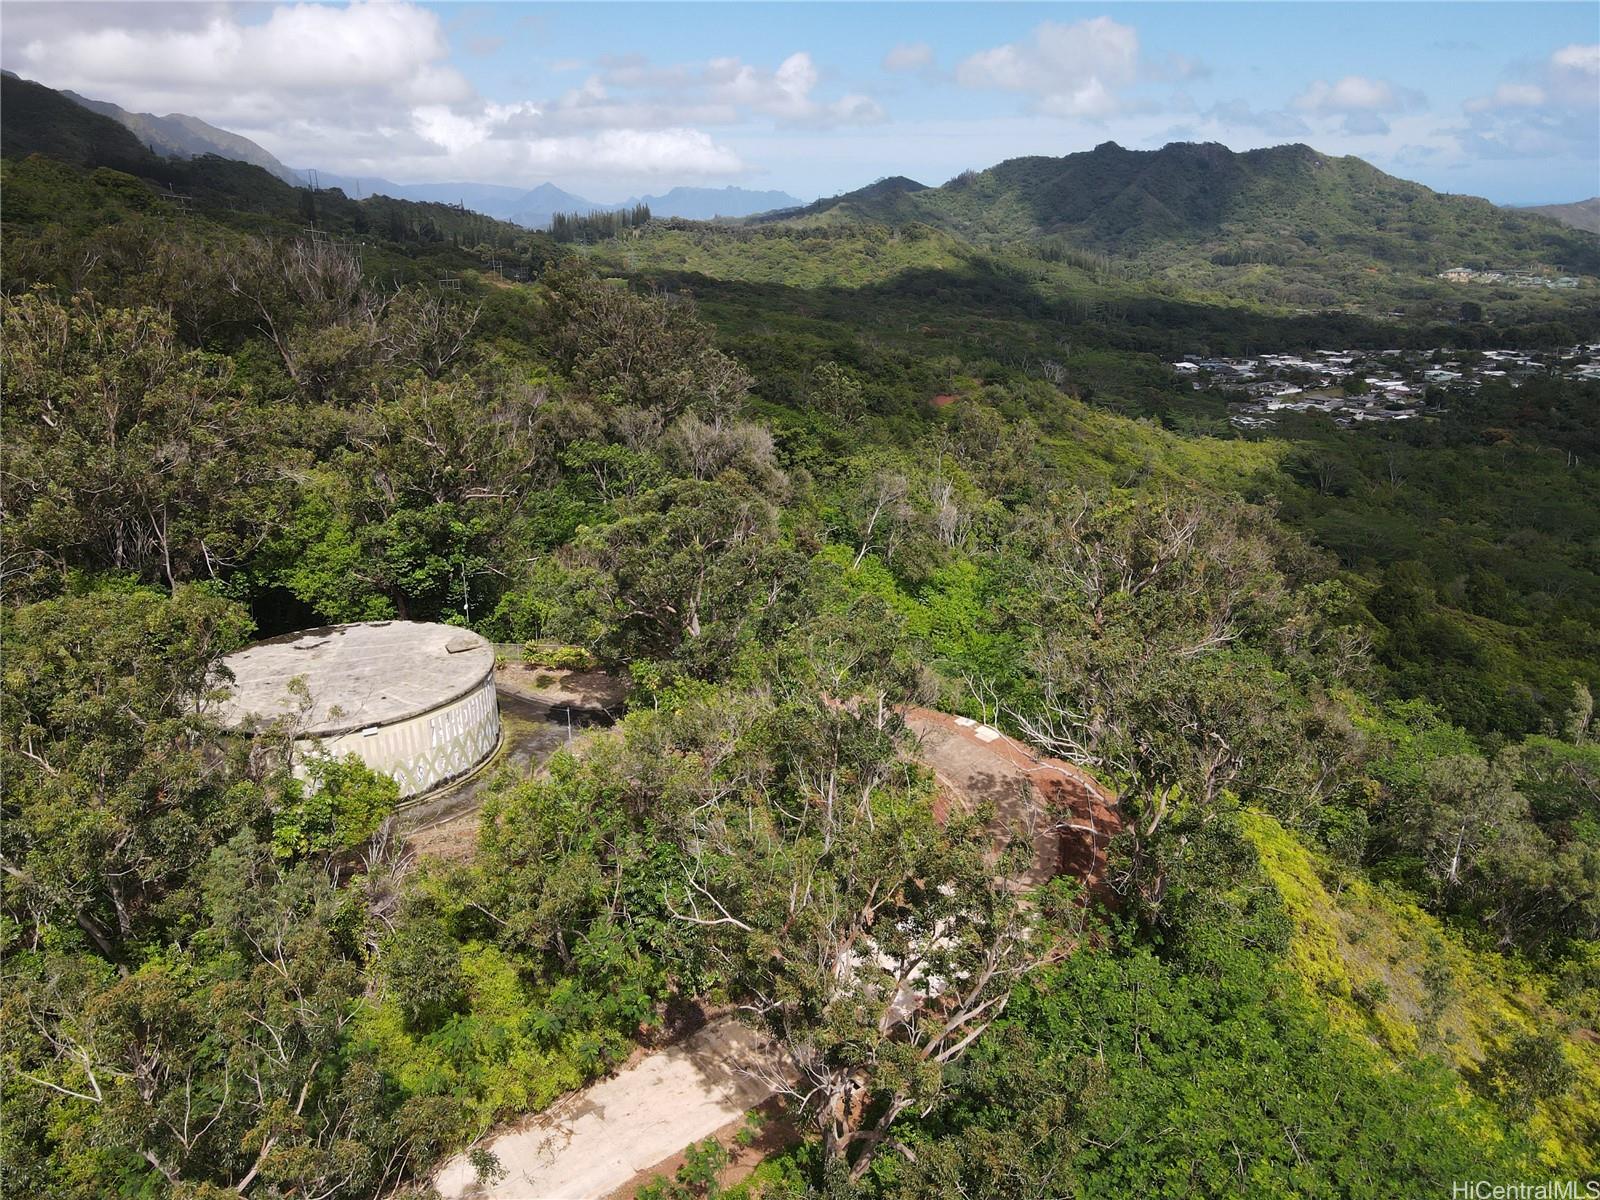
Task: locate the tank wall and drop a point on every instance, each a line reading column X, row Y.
column 424, row 751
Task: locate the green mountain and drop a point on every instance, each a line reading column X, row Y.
column 1193, row 201
column 1584, row 214
column 874, row 199
column 178, row 135
column 42, row 121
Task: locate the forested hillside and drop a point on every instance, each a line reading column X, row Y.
column 239, row 195
column 1286, row 223
column 1283, row 201
column 786, row 480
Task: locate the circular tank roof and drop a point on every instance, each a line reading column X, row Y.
column 372, row 673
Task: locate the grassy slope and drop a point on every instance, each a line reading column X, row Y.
column 1389, row 972
column 806, row 258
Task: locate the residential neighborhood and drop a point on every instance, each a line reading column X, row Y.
column 1524, row 279
column 1355, row 386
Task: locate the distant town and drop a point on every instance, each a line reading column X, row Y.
column 1523, row 279
column 1357, row 386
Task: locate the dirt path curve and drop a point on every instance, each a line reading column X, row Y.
column 595, row 1141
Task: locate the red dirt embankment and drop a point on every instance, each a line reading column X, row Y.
column 1069, row 816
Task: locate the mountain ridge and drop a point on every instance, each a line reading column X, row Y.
column 535, row 207
column 179, row 135
column 1580, row 214
column 1275, row 205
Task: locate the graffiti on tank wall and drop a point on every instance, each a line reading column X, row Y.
column 429, row 749
column 459, row 737
column 457, row 722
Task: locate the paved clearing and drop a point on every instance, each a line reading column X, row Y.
column 593, row 1142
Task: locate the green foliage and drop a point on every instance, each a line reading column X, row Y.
column 129, row 452
column 487, row 1042
column 597, row 226
column 646, row 350
column 683, row 567
column 1387, row 973
column 1484, row 589
column 898, row 447
column 116, row 786
column 337, row 806
column 1529, row 1069
column 696, row 1178
column 1114, row 1074
column 1186, row 205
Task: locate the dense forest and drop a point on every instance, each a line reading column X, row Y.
column 785, row 480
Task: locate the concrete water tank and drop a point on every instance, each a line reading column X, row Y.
column 415, row 701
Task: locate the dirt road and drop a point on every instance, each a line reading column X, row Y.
column 593, row 1142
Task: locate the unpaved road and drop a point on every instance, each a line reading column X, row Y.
column 593, row 1142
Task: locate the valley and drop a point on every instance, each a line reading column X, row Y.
column 1074, row 681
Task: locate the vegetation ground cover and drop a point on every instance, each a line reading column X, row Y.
column 1342, row 680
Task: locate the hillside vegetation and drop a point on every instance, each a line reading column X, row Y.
column 785, row 479
column 1286, row 223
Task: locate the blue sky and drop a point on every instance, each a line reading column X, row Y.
column 609, row 100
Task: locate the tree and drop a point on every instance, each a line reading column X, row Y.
column 650, row 351
column 704, row 451
column 117, row 784
column 217, row 1062
column 1116, row 1072
column 126, row 452
column 309, row 298
column 417, row 514
column 684, row 568
column 836, row 391
column 1526, row 1069
column 336, row 809
column 1167, row 631
column 874, row 942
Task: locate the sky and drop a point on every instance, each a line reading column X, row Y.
column 612, row 100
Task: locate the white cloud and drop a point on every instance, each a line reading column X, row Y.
column 1352, row 93
column 1356, row 94
column 1545, row 110
column 1238, row 115
column 367, row 88
column 304, row 49
column 786, row 93
column 1077, row 70
column 1362, row 103
column 908, row 56
column 1509, row 95
column 1583, row 60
